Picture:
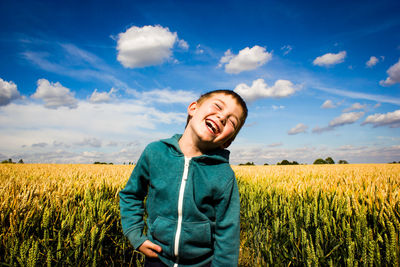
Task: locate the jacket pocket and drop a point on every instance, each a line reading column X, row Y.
column 195, row 241
column 163, row 231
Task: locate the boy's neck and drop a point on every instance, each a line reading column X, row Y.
column 189, row 147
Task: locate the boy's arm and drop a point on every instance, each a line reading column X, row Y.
column 131, row 203
column 227, row 229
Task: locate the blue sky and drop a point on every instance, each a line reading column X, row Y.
column 85, row 81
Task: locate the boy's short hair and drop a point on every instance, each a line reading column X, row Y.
column 234, row 95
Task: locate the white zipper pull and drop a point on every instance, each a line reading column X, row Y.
column 186, row 168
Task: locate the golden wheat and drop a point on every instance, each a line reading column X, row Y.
column 290, row 215
column 368, row 181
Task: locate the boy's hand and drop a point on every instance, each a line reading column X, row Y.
column 148, row 248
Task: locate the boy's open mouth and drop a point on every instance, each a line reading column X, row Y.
column 212, row 126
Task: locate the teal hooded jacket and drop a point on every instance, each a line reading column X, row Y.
column 192, row 205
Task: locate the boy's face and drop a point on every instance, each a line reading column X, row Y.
column 215, row 120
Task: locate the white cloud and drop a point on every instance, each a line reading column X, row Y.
column 328, row 104
column 226, row 58
column 57, row 144
column 90, row 126
column 275, row 144
column 183, row 44
column 259, row 89
column 42, row 144
column 82, row 55
column 372, row 62
column 112, row 143
column 88, row 119
column 391, row 119
column 89, row 141
column 169, row 96
column 199, row 50
column 318, row 129
column 8, row 92
column 358, row 95
column 145, row 46
column 102, row 97
column 247, row 59
column 299, row 128
column 343, row 119
column 166, row 96
column 286, row 49
column 54, row 95
column 355, row 106
column 330, row 59
column 394, row 75
column 346, row 118
column 274, row 107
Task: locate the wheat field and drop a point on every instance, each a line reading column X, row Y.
column 328, row 215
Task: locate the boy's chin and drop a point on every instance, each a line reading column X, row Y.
column 226, row 144
column 212, row 142
column 218, row 145
column 215, row 143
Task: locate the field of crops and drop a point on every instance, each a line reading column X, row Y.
column 326, row 215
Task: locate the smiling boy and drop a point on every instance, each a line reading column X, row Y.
column 192, row 204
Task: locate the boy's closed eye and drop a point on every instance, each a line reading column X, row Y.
column 218, row 106
column 233, row 122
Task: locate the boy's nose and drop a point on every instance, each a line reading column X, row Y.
column 222, row 118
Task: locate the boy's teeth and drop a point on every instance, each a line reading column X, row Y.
column 211, row 125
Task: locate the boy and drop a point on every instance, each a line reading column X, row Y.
column 192, row 201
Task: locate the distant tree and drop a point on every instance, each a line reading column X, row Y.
column 329, row 160
column 286, row 162
column 266, row 164
column 21, row 161
column 247, row 164
column 319, row 161
column 342, row 161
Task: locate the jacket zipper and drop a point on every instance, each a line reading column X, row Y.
column 180, row 206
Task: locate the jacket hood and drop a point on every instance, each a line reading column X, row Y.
column 215, row 156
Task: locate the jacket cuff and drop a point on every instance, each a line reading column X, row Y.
column 136, row 237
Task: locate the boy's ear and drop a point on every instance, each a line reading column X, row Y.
column 192, row 108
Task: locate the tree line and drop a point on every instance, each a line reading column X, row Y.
column 328, row 160
column 10, row 161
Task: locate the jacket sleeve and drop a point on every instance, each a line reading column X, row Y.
column 131, row 202
column 227, row 229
